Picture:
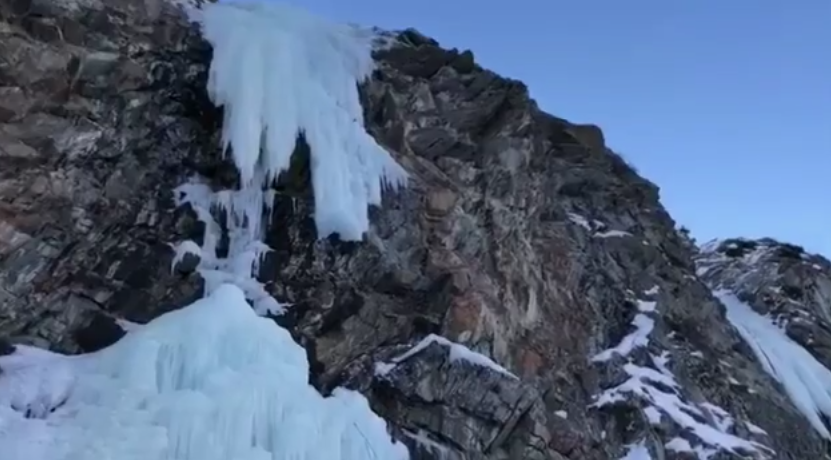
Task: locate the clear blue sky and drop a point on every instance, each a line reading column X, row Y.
column 726, row 105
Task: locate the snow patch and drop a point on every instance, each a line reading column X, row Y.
column 458, row 352
column 637, row 451
column 755, row 429
column 806, row 381
column 182, row 249
column 652, row 291
column 580, row 220
column 612, row 234
column 649, row 385
column 639, row 338
column 657, row 388
column 422, row 439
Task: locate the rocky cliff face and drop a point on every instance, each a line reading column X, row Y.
column 779, row 280
column 521, row 236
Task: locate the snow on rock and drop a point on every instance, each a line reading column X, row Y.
column 423, row 441
column 597, row 228
column 458, row 352
column 806, row 381
column 612, row 234
column 656, row 387
column 639, row 338
column 580, row 220
column 212, row 381
column 281, row 72
column 637, row 451
column 777, row 277
column 184, row 250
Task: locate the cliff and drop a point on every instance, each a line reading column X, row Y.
column 521, row 236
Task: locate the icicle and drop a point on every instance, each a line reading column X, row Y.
column 295, row 73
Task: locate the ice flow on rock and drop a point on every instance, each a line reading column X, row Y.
column 215, row 381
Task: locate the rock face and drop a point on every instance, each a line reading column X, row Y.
column 521, row 236
column 777, row 279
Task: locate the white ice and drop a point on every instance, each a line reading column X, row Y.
column 280, row 72
column 212, row 381
column 806, row 381
column 637, row 451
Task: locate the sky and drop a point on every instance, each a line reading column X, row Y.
column 726, row 106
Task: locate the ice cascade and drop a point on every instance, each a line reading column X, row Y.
column 215, row 380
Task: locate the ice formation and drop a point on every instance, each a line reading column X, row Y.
column 806, row 381
column 212, row 381
column 246, row 214
column 280, row 72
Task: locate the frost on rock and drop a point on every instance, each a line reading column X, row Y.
column 280, row 72
column 458, row 352
column 656, row 387
column 212, row 381
column 806, row 381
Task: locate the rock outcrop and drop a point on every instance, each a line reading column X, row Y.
column 779, row 280
column 521, row 236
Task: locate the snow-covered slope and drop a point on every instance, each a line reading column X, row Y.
column 778, row 297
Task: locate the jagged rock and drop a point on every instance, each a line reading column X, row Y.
column 521, row 236
column 777, row 279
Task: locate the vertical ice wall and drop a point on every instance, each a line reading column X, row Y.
column 280, row 72
column 215, row 381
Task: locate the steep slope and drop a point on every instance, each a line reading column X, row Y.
column 778, row 279
column 779, row 296
column 521, row 236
